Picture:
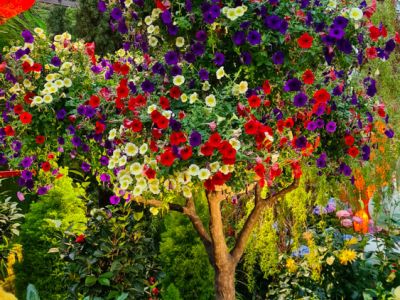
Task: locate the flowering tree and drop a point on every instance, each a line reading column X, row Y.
column 234, row 99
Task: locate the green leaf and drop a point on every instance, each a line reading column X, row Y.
column 138, row 215
column 123, row 296
column 104, row 281
column 32, row 293
column 107, row 275
column 90, row 280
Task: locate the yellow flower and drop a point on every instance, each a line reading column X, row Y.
column 220, row 73
column 211, row 101
column 243, row 86
column 131, row 149
column 351, row 241
column 347, row 256
column 180, row 41
column 179, row 80
column 330, row 260
column 291, row 265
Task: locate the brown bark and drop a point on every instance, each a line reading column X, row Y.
column 225, row 282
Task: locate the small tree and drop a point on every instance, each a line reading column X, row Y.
column 233, row 100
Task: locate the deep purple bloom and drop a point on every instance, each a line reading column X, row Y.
column 147, row 86
column 104, row 160
column 166, row 17
column 198, row 49
column 341, row 22
column 336, row 32
column 189, row 57
column 345, row 46
column 300, row 100
column 175, row 125
column 173, row 29
column 195, row 139
column 311, row 126
column 16, row 146
column 42, row 190
column 203, row 74
column 301, row 142
column 76, row 141
column 389, row 133
column 116, row 13
column 219, row 59
column 105, row 177
column 278, row 58
column 28, row 37
column 345, row 169
column 246, row 58
column 61, row 114
column 26, row 162
column 55, row 61
column 158, row 68
column 292, row 85
column 26, row 174
column 273, row 22
column 114, row 200
column 201, row 35
column 175, row 70
column 101, row 6
column 85, row 167
column 254, row 37
column 366, row 152
column 96, row 69
column 321, row 161
column 239, row 38
column 390, row 46
column 320, row 123
column 331, row 127
column 171, row 57
column 122, row 28
column 89, row 111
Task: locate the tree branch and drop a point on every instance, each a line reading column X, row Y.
column 158, row 203
column 254, row 217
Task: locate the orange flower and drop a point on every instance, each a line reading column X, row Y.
column 11, row 8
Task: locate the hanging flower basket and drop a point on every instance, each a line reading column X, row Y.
column 11, row 8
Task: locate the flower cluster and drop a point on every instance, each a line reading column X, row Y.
column 200, row 94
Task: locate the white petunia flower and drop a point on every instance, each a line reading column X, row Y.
column 179, row 80
column 211, row 101
column 356, row 14
column 220, row 73
column 131, row 149
column 204, row 174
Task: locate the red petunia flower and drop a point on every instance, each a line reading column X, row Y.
column 322, row 96
column 40, row 139
column 9, row 130
column 136, row 125
column 215, row 140
column 186, row 152
column 353, row 152
column 349, row 140
column 25, row 118
column 266, row 87
column 374, row 33
column 254, row 101
column 46, row 166
column 175, row 92
column 371, row 53
column 94, row 101
column 207, row 149
column 251, row 127
column 150, row 173
column 80, row 239
column 167, row 158
column 305, row 41
column 18, row 109
column 164, row 102
column 308, row 77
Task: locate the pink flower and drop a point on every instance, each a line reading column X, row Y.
column 213, row 125
column 346, row 223
column 357, row 220
column 342, row 214
column 20, row 196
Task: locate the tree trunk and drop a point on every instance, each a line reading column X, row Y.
column 225, row 282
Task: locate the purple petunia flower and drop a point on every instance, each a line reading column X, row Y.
column 171, row 57
column 116, row 13
column 26, row 162
column 345, row 169
column 175, row 125
column 101, row 6
column 28, row 37
column 239, row 38
column 104, row 160
column 122, row 28
column 175, row 70
column 61, row 114
column 203, row 74
column 195, row 139
column 42, row 190
column 246, row 58
column 201, row 36
column 331, row 127
column 336, row 32
column 301, row 142
column 166, row 17
column 76, row 141
column 389, row 133
column 321, row 161
column 273, row 22
column 300, row 100
column 292, row 85
column 198, row 49
column 55, row 61
column 345, row 46
column 254, row 37
column 173, row 29
column 16, row 146
column 114, row 200
column 366, row 152
column 147, row 86
column 25, row 174
column 219, row 59
column 341, row 22
column 85, row 167
column 311, row 126
column 278, row 58
column 105, row 177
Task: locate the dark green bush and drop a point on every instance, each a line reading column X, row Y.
column 44, row 224
column 114, row 258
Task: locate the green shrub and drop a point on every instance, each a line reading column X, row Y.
column 172, row 293
column 115, row 256
column 47, row 219
column 184, row 259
